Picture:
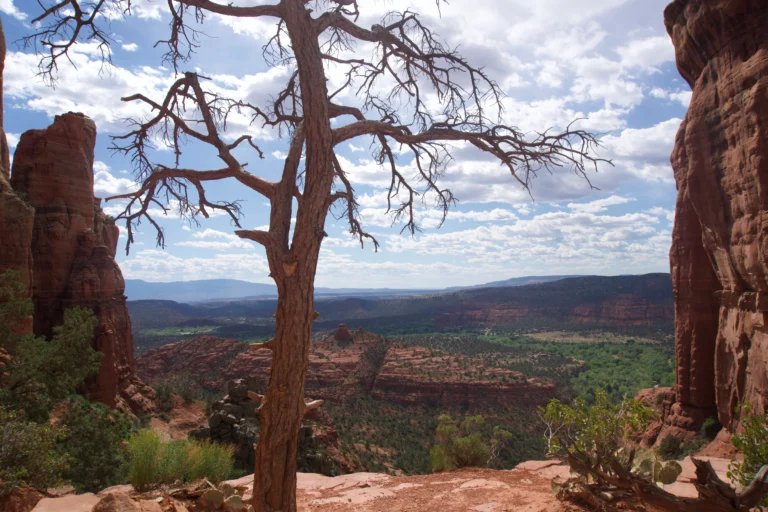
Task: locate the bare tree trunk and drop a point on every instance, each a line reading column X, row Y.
column 283, row 407
column 293, row 269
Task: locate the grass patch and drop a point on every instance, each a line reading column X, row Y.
column 153, row 462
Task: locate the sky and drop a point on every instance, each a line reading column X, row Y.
column 609, row 63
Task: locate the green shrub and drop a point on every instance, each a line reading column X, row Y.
column 153, row 462
column 27, row 453
column 94, row 435
column 670, row 448
column 710, row 428
column 464, row 446
column 752, row 443
column 469, row 451
column 213, row 461
column 44, row 372
column 174, row 462
column 439, row 459
column 593, row 436
column 144, row 453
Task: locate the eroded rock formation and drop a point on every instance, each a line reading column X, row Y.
column 16, row 216
column 719, row 255
column 73, row 247
column 388, row 371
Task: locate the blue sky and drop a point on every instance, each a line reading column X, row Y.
column 607, row 60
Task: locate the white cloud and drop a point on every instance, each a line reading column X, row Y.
column 217, row 241
column 7, row 7
column 130, row 47
column 96, row 90
column 599, row 205
column 106, row 185
column 647, row 54
column 668, row 213
column 13, row 140
column 157, row 265
column 683, row 97
column 556, row 240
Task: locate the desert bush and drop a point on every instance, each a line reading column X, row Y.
column 594, row 440
column 173, row 464
column 153, row 462
column 44, row 372
column 670, row 448
column 209, row 460
column 27, row 453
column 752, row 443
column 465, row 446
column 710, row 428
column 93, row 442
column 144, row 453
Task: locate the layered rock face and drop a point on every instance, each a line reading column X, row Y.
column 16, row 216
column 719, row 254
column 370, row 365
column 73, row 248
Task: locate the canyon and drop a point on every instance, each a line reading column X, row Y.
column 367, row 364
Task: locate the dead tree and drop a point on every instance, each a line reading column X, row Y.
column 309, row 36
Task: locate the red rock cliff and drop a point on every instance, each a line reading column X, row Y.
column 719, row 255
column 73, row 248
column 16, row 217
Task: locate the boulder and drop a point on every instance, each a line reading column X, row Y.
column 116, row 502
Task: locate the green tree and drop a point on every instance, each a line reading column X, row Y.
column 27, row 453
column 465, row 445
column 44, row 372
column 752, row 443
column 93, row 437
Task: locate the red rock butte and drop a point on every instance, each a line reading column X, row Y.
column 343, row 334
column 719, row 255
column 72, row 251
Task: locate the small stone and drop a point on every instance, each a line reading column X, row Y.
column 229, row 419
column 227, row 489
column 213, row 497
column 214, row 420
column 234, row 503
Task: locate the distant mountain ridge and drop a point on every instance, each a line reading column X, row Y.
column 639, row 304
column 233, row 289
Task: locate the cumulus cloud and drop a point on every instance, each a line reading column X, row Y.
column 96, row 90
column 13, row 140
column 217, row 241
column 106, row 185
column 600, row 205
column 647, row 54
column 681, row 96
column 579, row 240
column 130, row 47
column 7, row 7
column 157, row 265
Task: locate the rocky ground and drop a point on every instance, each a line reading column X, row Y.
column 527, row 488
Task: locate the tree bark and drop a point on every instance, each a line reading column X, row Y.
column 283, row 405
column 293, row 268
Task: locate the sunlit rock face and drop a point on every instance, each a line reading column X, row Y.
column 719, row 255
column 73, row 251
